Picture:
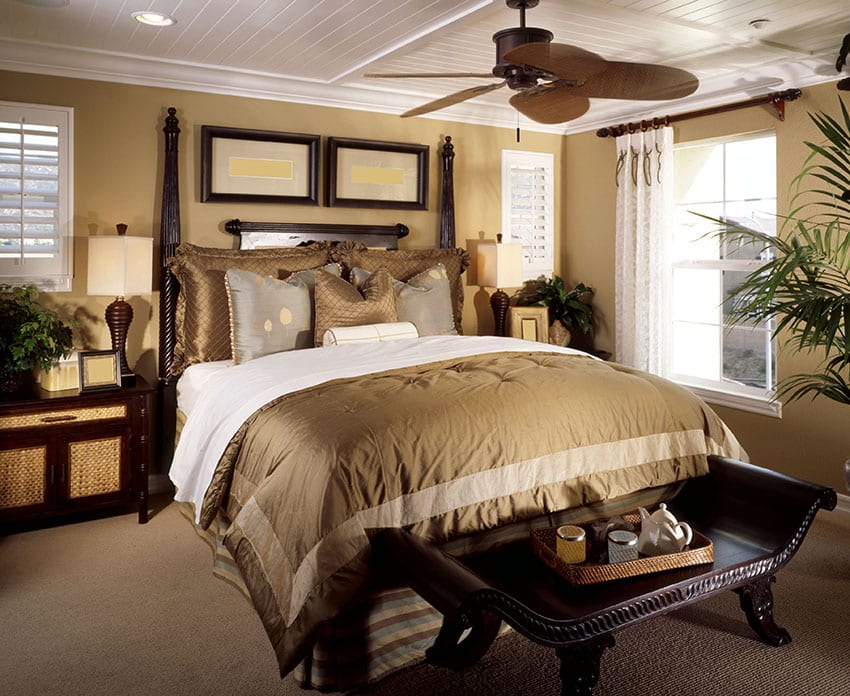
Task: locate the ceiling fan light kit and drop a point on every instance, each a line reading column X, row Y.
column 554, row 82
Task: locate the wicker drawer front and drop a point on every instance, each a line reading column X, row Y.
column 77, row 415
column 94, row 467
column 22, row 476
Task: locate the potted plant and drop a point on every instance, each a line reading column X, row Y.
column 566, row 307
column 30, row 336
column 805, row 284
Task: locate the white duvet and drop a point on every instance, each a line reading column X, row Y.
column 223, row 395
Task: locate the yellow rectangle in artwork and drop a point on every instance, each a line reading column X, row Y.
column 377, row 175
column 260, row 168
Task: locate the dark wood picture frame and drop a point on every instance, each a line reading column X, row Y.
column 377, row 193
column 304, row 146
column 99, row 370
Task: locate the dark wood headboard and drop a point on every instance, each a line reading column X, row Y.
column 371, row 235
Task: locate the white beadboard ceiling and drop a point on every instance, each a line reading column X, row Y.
column 316, row 51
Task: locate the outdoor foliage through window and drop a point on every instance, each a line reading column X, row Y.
column 733, row 180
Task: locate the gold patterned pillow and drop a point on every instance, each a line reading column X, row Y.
column 425, row 300
column 202, row 331
column 339, row 303
column 404, row 264
column 268, row 315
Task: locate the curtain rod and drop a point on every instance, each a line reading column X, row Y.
column 777, row 99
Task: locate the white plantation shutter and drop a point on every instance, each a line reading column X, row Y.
column 35, row 195
column 528, row 208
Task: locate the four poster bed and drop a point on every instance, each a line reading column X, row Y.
column 293, row 457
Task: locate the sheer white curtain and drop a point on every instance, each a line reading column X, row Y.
column 644, row 219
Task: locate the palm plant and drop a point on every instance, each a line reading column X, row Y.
column 805, row 286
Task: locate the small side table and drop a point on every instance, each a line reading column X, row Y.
column 64, row 452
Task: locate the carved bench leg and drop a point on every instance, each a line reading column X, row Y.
column 580, row 665
column 450, row 651
column 757, row 603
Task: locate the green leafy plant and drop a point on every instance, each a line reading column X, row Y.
column 565, row 305
column 30, row 334
column 805, row 284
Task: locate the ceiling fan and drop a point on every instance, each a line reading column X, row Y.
column 554, row 82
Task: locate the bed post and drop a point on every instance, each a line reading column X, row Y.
column 169, row 239
column 447, row 202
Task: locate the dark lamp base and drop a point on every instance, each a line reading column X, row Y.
column 499, row 302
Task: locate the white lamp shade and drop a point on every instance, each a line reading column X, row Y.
column 500, row 265
column 120, row 266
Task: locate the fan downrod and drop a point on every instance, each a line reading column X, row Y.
column 519, row 77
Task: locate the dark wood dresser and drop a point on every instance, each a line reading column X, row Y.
column 64, row 452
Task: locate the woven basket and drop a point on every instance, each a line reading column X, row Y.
column 698, row 552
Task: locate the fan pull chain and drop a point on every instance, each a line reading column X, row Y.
column 517, row 126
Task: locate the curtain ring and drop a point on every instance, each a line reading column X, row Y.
column 621, row 162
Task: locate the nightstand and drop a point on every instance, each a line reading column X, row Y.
column 64, row 452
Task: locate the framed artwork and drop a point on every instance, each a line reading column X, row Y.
column 374, row 174
column 530, row 323
column 256, row 166
column 100, row 369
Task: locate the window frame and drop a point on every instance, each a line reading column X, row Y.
column 56, row 275
column 539, row 160
column 752, row 399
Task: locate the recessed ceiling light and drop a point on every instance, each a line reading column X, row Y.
column 154, row 19
column 758, row 23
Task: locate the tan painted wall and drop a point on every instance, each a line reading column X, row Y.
column 812, row 440
column 118, row 165
column 118, row 178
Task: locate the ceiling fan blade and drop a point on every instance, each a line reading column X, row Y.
column 553, row 102
column 452, row 99
column 639, row 81
column 561, row 60
column 431, row 75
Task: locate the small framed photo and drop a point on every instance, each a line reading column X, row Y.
column 375, row 174
column 256, row 166
column 530, row 323
column 100, row 369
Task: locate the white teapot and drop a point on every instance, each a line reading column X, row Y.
column 662, row 533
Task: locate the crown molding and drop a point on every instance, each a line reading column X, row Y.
column 63, row 61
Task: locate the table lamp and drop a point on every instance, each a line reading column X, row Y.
column 499, row 266
column 120, row 266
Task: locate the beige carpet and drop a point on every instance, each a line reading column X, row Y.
column 109, row 607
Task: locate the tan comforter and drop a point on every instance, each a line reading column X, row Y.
column 446, row 449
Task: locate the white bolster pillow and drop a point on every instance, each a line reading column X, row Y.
column 367, row 333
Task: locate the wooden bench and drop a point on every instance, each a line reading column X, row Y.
column 756, row 519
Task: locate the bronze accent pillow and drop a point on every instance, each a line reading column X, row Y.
column 425, row 300
column 268, row 315
column 339, row 303
column 403, row 264
column 202, row 327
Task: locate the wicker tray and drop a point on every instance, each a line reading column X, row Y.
column 698, row 552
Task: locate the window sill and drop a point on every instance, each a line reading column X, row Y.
column 754, row 404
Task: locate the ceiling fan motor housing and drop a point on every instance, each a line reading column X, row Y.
column 518, row 76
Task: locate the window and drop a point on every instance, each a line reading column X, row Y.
column 36, row 212
column 527, row 208
column 732, row 179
